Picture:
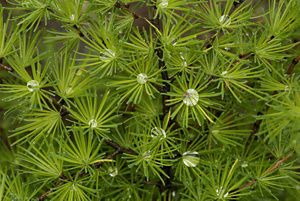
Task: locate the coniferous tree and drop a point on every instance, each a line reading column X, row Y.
column 149, row 100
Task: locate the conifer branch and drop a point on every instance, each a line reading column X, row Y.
column 164, row 73
column 165, row 89
column 257, row 123
column 195, row 89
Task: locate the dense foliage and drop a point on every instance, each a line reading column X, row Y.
column 149, row 100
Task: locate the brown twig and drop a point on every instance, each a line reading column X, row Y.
column 119, row 148
column 126, row 7
column 270, row 170
column 248, row 184
column 78, row 30
column 164, row 73
column 44, row 195
column 113, row 155
column 166, row 88
column 59, row 106
column 6, row 68
column 245, row 56
column 208, row 44
column 57, row 183
column 277, row 164
column 165, row 97
column 291, row 67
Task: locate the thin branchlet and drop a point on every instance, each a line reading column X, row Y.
column 126, row 7
column 291, row 67
column 119, row 148
column 165, row 108
column 62, row 178
column 270, row 170
column 6, row 67
column 44, row 195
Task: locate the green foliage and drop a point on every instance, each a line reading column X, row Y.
column 39, row 123
column 195, row 100
column 43, row 164
column 91, row 114
column 7, row 36
column 149, row 100
column 31, row 86
column 138, row 80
